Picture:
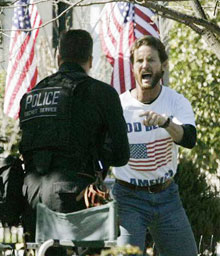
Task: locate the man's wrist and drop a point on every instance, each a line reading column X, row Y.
column 166, row 124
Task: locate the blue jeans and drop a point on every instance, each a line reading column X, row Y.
column 161, row 213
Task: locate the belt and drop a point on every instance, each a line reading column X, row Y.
column 151, row 189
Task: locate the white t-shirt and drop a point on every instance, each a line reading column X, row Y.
column 153, row 154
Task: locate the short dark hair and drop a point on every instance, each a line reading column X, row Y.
column 76, row 45
column 149, row 41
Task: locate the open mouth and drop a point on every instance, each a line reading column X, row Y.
column 146, row 76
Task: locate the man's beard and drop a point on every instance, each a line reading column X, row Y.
column 156, row 78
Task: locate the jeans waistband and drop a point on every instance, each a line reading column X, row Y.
column 151, row 189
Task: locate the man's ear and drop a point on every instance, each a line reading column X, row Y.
column 59, row 59
column 90, row 61
column 164, row 65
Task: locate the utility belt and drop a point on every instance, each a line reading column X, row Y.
column 157, row 188
column 45, row 161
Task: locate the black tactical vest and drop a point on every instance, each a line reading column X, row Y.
column 45, row 116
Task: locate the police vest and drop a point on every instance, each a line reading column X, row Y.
column 45, row 117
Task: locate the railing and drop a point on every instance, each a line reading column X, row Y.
column 13, row 238
column 212, row 249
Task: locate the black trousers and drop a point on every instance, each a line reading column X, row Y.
column 57, row 189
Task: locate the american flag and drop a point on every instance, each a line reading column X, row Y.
column 22, row 70
column 122, row 23
column 150, row 156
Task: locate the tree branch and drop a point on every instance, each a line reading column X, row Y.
column 182, row 17
column 208, row 36
column 46, row 23
column 158, row 8
column 200, row 24
column 198, row 9
column 8, row 3
column 167, row 13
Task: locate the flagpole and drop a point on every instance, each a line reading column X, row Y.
column 98, row 20
column 102, row 11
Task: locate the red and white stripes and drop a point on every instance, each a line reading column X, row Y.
column 22, row 71
column 121, row 23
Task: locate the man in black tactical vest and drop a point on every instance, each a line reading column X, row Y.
column 69, row 121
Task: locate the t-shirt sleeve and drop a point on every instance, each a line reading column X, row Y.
column 183, row 112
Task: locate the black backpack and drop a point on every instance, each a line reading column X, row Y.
column 11, row 182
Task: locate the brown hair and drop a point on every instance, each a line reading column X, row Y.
column 149, row 41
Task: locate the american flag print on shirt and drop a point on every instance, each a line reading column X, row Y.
column 22, row 73
column 121, row 24
column 150, row 156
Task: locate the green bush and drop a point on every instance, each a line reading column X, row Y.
column 194, row 72
column 200, row 201
column 8, row 126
